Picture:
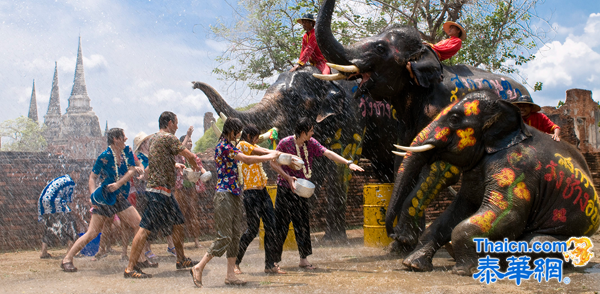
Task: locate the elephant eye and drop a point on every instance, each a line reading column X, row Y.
column 454, row 120
column 380, row 48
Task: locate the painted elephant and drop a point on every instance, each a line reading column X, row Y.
column 517, row 182
column 380, row 62
column 344, row 125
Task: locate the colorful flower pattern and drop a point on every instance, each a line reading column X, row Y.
column 466, row 138
column 442, row 134
column 505, row 177
column 484, row 221
column 227, row 169
column 472, row 108
column 559, row 215
column 498, row 199
column 521, row 191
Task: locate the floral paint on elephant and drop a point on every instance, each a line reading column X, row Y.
column 484, row 221
column 505, row 177
column 440, row 173
column 350, row 151
column 496, row 198
column 522, row 157
column 573, row 184
column 442, row 133
column 502, row 87
column 472, row 108
column 466, row 138
column 559, row 215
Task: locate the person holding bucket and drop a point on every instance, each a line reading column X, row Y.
column 114, row 167
column 288, row 205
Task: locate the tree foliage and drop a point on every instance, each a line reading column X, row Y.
column 25, row 135
column 265, row 35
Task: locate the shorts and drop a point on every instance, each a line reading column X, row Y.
column 59, row 228
column 161, row 214
column 110, row 210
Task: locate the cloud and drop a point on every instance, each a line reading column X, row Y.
column 572, row 63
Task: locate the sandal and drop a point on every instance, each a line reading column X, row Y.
column 149, row 254
column 136, row 273
column 236, row 282
column 275, row 270
column 68, row 267
column 308, row 267
column 197, row 283
column 99, row 256
column 186, row 263
column 46, row 256
column 146, row 264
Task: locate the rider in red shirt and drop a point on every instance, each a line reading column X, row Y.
column 531, row 116
column 448, row 47
column 310, row 51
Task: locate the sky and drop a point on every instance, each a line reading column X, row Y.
column 141, row 56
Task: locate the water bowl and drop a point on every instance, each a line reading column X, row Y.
column 304, row 188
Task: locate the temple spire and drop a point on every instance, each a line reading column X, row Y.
column 79, row 101
column 106, row 129
column 33, row 113
column 52, row 118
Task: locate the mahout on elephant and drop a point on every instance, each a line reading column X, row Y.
column 380, row 62
column 517, row 182
column 353, row 128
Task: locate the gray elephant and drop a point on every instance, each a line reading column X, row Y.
column 344, row 125
column 517, row 182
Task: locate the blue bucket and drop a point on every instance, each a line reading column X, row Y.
column 91, row 248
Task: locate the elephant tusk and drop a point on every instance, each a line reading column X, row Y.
column 333, row 77
column 399, row 153
column 215, row 129
column 416, row 149
column 344, row 68
column 223, row 117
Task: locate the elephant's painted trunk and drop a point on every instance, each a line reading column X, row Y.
column 333, row 51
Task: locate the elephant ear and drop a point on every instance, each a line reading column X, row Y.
column 427, row 68
column 503, row 126
column 332, row 103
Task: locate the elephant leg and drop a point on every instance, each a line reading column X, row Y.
column 439, row 232
column 488, row 222
column 432, row 180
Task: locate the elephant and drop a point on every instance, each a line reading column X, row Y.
column 380, row 62
column 517, row 182
column 343, row 125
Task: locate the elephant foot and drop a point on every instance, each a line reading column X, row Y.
column 419, row 260
column 400, row 249
column 464, row 269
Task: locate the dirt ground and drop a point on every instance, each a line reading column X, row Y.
column 351, row 268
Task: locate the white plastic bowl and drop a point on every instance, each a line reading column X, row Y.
column 297, row 163
column 284, row 159
column 205, row 177
column 191, row 175
column 304, row 188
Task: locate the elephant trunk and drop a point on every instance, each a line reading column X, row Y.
column 333, row 51
column 263, row 115
column 406, row 179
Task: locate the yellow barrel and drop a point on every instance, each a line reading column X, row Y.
column 377, row 198
column 290, row 241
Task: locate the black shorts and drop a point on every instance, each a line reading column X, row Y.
column 110, row 210
column 161, row 213
column 59, row 228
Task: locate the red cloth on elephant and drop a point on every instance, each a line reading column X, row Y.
column 310, row 52
column 447, row 48
column 541, row 122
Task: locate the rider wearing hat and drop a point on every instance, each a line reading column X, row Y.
column 448, row 47
column 310, row 51
column 531, row 116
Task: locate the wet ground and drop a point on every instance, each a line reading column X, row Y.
column 351, row 268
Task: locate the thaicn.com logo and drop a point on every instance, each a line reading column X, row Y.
column 519, row 268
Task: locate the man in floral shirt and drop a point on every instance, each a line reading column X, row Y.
column 288, row 205
column 162, row 214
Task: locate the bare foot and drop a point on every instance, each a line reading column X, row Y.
column 237, row 270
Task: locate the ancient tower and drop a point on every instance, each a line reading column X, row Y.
column 52, row 119
column 33, row 113
column 79, row 120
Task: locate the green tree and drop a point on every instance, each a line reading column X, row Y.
column 265, row 35
column 25, row 134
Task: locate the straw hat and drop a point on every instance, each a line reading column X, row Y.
column 138, row 140
column 525, row 99
column 306, row 16
column 447, row 25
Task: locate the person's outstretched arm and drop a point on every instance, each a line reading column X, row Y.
column 338, row 159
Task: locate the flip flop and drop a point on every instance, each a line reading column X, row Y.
column 149, row 254
column 197, row 283
column 68, row 267
column 236, row 282
column 308, row 267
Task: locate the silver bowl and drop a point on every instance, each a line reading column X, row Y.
column 304, row 188
column 284, row 159
column 191, row 175
column 205, row 177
